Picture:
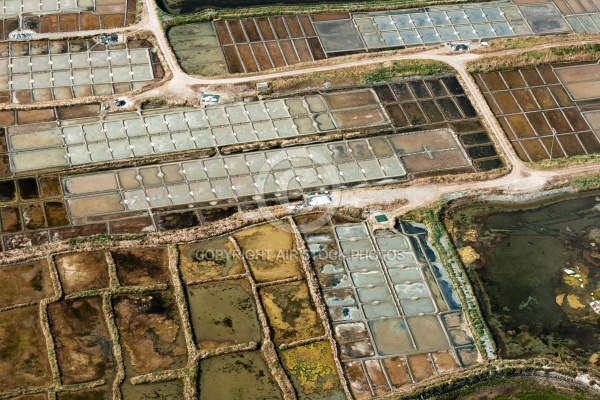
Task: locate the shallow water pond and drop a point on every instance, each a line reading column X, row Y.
column 536, row 270
column 312, row 371
column 164, row 390
column 223, row 314
column 237, row 376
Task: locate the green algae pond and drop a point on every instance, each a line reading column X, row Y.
column 536, row 271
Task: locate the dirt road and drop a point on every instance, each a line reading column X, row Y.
column 522, row 178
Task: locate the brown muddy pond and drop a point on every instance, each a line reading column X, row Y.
column 163, row 390
column 536, row 270
column 223, row 314
column 237, row 376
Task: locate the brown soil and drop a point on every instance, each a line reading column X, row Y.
column 34, row 116
column 377, row 377
column 307, row 25
column 313, row 223
column 358, row 382
column 83, row 344
column 31, row 397
column 209, row 259
column 222, row 32
column 132, row 225
column 141, row 266
column 279, row 27
column 521, row 126
column 89, row 21
column 50, row 186
column 535, row 150
column 265, row 28
column 25, row 283
column 420, row 366
column 468, row 357
column 33, row 216
column 158, row 71
column 397, row 371
column 247, row 58
column 78, row 111
column 49, row 24
column 288, row 52
column 291, row 313
column 350, row 99
column 506, row 102
column 316, row 49
column 237, row 31
column 293, row 26
column 303, row 50
column 270, row 251
column 330, row 16
column 7, row 117
column 112, row 21
column 68, row 22
column 275, row 53
column 82, row 271
column 260, row 52
column 121, row 87
column 444, row 361
column 56, row 214
column 150, row 331
column 23, row 356
column 234, row 63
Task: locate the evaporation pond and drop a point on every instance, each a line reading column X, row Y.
column 223, row 313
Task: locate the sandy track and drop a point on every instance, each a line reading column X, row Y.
column 522, row 178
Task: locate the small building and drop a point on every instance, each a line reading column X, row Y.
column 381, row 218
column 459, row 47
column 21, row 35
column 109, row 39
column 319, row 200
column 208, row 98
column 262, row 86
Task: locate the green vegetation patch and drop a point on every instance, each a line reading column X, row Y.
column 534, row 58
column 312, row 370
column 400, row 69
column 587, row 183
column 586, row 48
column 366, row 74
column 291, row 313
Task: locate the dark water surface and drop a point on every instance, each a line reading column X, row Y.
column 539, row 268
